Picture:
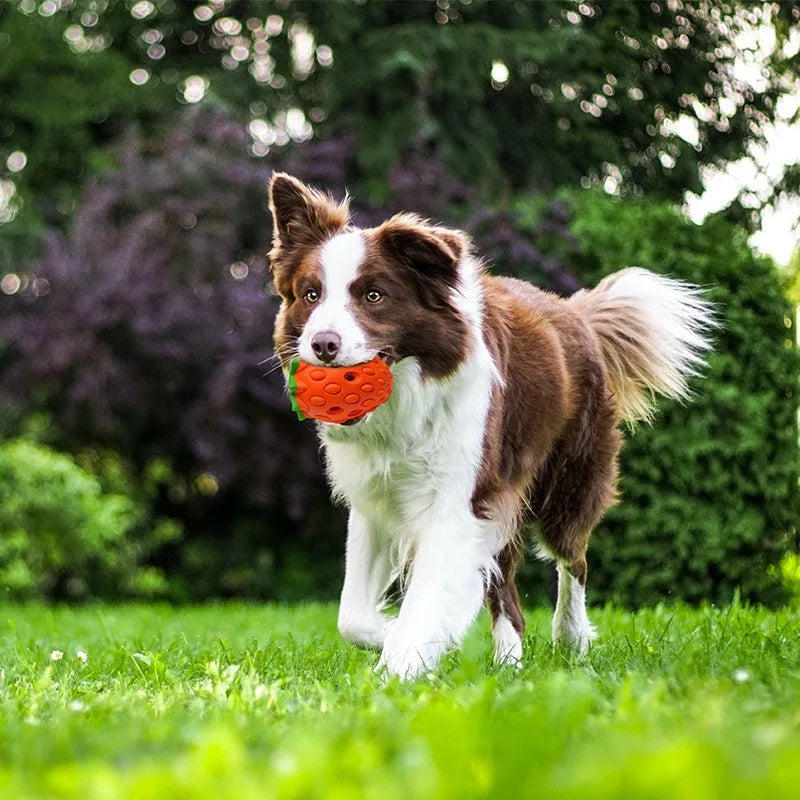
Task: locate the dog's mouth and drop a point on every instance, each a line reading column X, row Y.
column 388, row 358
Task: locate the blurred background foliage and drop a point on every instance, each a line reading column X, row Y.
column 136, row 141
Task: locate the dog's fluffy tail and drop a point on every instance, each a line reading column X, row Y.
column 653, row 332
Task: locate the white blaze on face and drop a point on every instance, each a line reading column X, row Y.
column 340, row 258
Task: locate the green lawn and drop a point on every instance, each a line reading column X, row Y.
column 232, row 701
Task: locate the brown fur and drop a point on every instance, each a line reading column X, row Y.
column 552, row 434
column 416, row 269
column 303, row 217
column 303, row 220
column 501, row 596
column 412, row 264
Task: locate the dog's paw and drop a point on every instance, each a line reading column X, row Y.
column 507, row 644
column 578, row 639
column 406, row 659
column 369, row 635
column 406, row 666
column 508, row 657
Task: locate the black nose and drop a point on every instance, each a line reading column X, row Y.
column 326, row 345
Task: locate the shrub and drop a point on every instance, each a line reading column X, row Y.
column 60, row 535
column 147, row 331
column 709, row 492
column 788, row 571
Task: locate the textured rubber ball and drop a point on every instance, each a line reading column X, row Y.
column 338, row 394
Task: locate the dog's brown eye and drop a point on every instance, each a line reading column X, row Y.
column 373, row 296
column 311, row 296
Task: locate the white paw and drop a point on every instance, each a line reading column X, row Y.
column 406, row 665
column 577, row 638
column 508, row 657
column 507, row 644
column 588, row 635
column 369, row 634
column 406, row 658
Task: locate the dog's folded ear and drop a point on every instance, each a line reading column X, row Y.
column 432, row 251
column 302, row 216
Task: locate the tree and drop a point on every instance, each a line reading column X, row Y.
column 509, row 94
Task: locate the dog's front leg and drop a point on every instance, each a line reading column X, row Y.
column 366, row 578
column 444, row 593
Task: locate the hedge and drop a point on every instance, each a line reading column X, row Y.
column 709, row 492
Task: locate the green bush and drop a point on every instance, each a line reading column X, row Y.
column 61, row 535
column 709, row 492
column 788, row 571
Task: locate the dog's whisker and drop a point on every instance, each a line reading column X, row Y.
column 284, row 350
column 271, row 370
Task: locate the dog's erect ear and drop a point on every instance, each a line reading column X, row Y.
column 302, row 216
column 433, row 252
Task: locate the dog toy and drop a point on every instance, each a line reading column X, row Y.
column 338, row 394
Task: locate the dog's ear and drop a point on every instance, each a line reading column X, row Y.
column 432, row 252
column 302, row 216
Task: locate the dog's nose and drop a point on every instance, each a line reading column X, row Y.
column 326, row 345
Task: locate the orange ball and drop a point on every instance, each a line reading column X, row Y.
column 338, row 394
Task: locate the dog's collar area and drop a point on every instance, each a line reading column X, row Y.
column 353, row 421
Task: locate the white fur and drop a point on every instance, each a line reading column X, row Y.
column 408, row 471
column 341, row 258
column 367, row 577
column 570, row 622
column 654, row 333
column 678, row 320
column 507, row 642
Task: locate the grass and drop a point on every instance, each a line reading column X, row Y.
column 233, row 701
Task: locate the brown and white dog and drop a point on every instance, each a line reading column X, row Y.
column 506, row 408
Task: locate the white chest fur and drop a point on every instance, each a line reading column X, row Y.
column 416, row 455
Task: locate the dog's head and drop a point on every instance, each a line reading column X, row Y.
column 350, row 294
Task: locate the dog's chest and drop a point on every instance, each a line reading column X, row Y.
column 418, row 451
column 386, row 482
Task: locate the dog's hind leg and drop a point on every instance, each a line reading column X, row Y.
column 573, row 510
column 571, row 622
column 508, row 624
column 580, row 487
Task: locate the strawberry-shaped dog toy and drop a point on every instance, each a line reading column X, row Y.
column 338, row 394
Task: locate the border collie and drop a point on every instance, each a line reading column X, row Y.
column 506, row 408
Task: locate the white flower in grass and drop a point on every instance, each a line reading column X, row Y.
column 56, row 655
column 82, row 657
column 741, row 676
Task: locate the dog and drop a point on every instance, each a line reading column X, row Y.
column 506, row 408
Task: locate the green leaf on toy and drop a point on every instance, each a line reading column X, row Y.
column 292, row 383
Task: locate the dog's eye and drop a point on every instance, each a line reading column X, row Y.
column 311, row 296
column 373, row 296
